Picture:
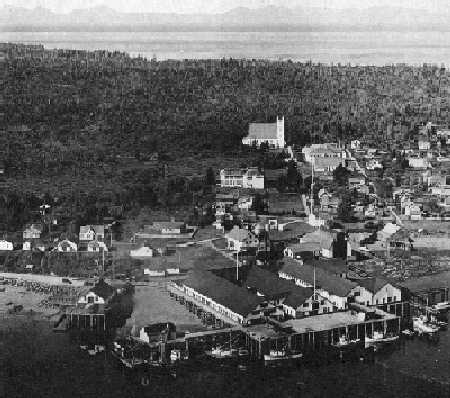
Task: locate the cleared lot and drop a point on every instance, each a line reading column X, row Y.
column 152, row 304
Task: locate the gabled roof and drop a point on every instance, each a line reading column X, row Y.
column 267, row 283
column 429, row 282
column 98, row 229
column 373, row 284
column 236, row 298
column 324, row 280
column 305, row 247
column 334, row 266
column 35, row 227
column 102, row 289
column 261, row 131
column 298, row 296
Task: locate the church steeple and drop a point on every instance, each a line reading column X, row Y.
column 280, row 131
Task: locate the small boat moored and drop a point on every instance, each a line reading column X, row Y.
column 281, row 355
column 379, row 339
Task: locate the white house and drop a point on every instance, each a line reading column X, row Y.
column 324, row 151
column 372, row 164
column 375, row 291
column 424, row 144
column 419, row 163
column 242, row 178
column 239, row 239
column 101, row 293
column 92, row 232
column 96, row 246
column 67, row 246
column 355, row 144
column 302, row 302
column 270, row 133
column 142, row 252
column 5, row 245
column 33, row 231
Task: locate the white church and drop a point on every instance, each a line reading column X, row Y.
column 272, row 133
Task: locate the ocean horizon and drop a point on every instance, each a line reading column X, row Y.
column 378, row 48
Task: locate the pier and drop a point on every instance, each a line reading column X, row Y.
column 210, row 317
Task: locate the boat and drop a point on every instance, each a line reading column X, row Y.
column 378, row 338
column 219, row 352
column 422, row 326
column 344, row 342
column 408, row 333
column 442, row 306
column 277, row 355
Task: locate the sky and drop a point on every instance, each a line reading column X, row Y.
column 216, row 6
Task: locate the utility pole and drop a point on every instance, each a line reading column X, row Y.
column 237, row 265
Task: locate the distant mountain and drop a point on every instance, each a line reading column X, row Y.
column 403, row 18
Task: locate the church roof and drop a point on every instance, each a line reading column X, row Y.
column 262, row 131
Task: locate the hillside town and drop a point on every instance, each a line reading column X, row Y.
column 323, row 222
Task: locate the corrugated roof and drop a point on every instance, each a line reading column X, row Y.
column 262, row 131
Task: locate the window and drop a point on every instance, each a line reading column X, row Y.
column 325, row 310
column 377, row 302
column 395, row 298
column 367, row 303
column 305, row 305
column 90, row 299
column 389, row 299
column 356, row 294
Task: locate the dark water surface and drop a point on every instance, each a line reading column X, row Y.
column 372, row 48
column 35, row 362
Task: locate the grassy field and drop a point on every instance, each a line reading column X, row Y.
column 152, row 304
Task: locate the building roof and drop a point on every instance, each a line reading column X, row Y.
column 373, row 284
column 326, row 321
column 305, row 247
column 298, row 228
column 167, row 225
column 35, row 226
column 238, row 234
column 267, row 283
column 98, row 229
column 324, row 280
column 262, row 131
column 334, row 266
column 220, row 290
column 298, row 296
column 102, row 289
column 429, row 282
column 233, row 172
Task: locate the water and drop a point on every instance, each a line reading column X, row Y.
column 373, row 48
column 34, row 362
